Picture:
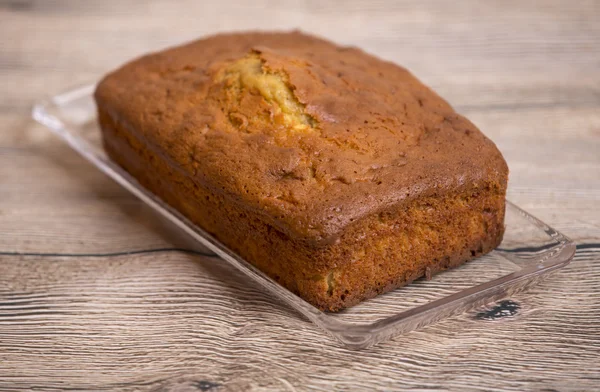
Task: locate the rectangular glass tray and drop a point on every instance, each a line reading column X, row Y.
column 530, row 249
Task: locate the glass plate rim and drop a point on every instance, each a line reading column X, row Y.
column 351, row 335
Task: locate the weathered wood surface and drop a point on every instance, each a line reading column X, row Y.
column 93, row 296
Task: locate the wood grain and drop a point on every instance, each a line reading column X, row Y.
column 95, row 293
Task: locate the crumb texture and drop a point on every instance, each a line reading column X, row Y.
column 247, row 77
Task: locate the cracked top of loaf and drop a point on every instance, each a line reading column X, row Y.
column 313, row 135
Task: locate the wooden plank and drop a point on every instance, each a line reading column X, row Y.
column 112, row 313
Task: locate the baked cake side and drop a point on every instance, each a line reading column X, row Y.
column 338, row 174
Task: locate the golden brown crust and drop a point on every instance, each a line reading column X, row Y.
column 337, row 173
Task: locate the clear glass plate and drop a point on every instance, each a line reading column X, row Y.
column 530, row 249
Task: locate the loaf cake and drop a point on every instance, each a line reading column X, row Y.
column 338, row 174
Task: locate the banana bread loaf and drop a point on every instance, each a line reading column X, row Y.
column 338, row 174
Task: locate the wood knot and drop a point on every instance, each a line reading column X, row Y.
column 503, row 309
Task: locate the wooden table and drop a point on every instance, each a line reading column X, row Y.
column 95, row 296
